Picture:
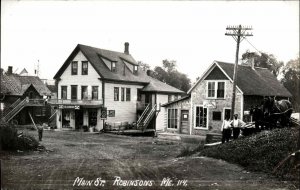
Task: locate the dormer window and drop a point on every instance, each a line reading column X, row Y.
column 113, row 67
column 84, row 68
column 74, row 68
column 135, row 69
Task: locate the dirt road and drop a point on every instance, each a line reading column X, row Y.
column 77, row 160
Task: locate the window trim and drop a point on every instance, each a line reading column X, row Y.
column 87, row 97
column 216, row 89
column 118, row 96
column 177, row 118
column 122, row 94
column 97, row 93
column 207, row 117
column 113, row 68
column 87, row 67
column 128, row 99
column 223, row 115
column 61, row 92
column 72, row 66
column 76, row 92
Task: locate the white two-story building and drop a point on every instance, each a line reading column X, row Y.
column 97, row 86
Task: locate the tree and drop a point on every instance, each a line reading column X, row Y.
column 143, row 66
column 265, row 60
column 169, row 74
column 291, row 81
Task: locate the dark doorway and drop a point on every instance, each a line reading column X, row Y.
column 92, row 117
column 78, row 119
column 227, row 112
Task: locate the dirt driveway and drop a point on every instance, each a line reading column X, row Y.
column 77, row 160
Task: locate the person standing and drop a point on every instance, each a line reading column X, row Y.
column 40, row 129
column 236, row 124
column 226, row 131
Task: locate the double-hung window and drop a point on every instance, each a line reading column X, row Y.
column 64, row 92
column 84, row 92
column 84, row 68
column 128, row 94
column 216, row 89
column 116, row 93
column 74, row 67
column 122, row 94
column 172, row 118
column 95, row 92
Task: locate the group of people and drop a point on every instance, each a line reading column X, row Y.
column 231, row 126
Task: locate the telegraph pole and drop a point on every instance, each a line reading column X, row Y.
column 236, row 32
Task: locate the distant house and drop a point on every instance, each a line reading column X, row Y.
column 96, row 84
column 209, row 100
column 21, row 96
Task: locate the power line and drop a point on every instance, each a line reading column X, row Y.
column 252, row 45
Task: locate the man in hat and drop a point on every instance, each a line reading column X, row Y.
column 237, row 124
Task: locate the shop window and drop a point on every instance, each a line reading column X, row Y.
column 201, row 117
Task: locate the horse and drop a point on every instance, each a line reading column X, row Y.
column 258, row 117
column 277, row 111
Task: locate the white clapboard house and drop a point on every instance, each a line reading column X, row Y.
column 95, row 84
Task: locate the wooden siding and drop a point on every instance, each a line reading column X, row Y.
column 125, row 111
column 181, row 105
column 160, row 119
column 92, row 79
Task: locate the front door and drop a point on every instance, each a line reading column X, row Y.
column 184, row 125
column 78, row 119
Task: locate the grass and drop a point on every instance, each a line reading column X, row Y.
column 11, row 140
column 261, row 152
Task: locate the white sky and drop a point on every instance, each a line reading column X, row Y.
column 192, row 33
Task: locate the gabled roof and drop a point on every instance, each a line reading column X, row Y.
column 14, row 84
column 258, row 81
column 175, row 101
column 123, row 74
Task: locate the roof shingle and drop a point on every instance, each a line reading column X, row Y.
column 123, row 73
column 259, row 81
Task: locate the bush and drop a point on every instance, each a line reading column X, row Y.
column 11, row 140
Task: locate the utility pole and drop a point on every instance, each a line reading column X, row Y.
column 238, row 33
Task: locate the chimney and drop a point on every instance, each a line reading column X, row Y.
column 9, row 70
column 126, row 50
